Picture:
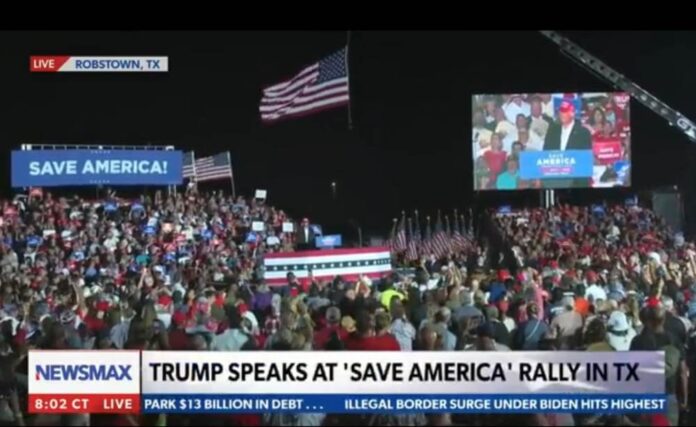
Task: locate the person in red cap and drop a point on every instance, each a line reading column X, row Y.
column 567, row 134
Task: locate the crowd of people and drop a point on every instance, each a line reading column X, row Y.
column 503, row 126
column 180, row 272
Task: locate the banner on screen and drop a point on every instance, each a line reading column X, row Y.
column 52, row 168
column 556, row 164
column 506, row 128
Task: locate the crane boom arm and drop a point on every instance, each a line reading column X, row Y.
column 594, row 64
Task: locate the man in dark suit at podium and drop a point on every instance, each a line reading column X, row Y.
column 305, row 238
column 569, row 134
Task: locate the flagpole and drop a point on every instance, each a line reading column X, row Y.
column 350, row 114
column 229, row 161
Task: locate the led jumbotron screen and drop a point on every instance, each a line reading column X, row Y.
column 551, row 140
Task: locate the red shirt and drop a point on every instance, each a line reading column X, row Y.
column 178, row 340
column 93, row 323
column 385, row 342
column 322, row 336
column 495, row 161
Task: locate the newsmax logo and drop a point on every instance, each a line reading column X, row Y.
column 97, row 64
column 69, row 372
column 83, row 372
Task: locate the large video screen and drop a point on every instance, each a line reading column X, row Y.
column 551, row 140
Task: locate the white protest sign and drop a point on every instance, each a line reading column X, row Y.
column 288, row 227
column 258, row 226
column 261, row 194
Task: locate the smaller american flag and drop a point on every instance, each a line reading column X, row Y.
column 427, row 243
column 459, row 242
column 412, row 251
column 318, row 87
column 189, row 171
column 400, row 242
column 441, row 240
column 214, row 167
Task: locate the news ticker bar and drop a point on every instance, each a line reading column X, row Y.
column 343, row 403
column 399, row 403
column 98, row 64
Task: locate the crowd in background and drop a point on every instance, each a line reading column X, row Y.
column 182, row 273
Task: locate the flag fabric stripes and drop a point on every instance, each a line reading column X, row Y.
column 440, row 239
column 213, row 167
column 318, row 87
column 400, row 241
column 459, row 242
column 189, row 169
column 412, row 251
column 426, row 246
column 327, row 264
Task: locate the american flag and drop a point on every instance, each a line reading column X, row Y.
column 459, row 242
column 189, row 171
column 412, row 251
column 441, row 241
column 399, row 244
column 320, row 86
column 213, row 167
column 426, row 244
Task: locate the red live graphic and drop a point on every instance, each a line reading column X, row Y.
column 84, row 403
column 46, row 64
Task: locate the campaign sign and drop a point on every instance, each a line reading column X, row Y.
column 608, row 151
column 556, row 164
column 329, row 241
column 52, row 168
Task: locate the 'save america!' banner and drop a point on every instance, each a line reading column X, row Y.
column 52, row 168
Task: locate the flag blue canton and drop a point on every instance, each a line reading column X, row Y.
column 332, row 67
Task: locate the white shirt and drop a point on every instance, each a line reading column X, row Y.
column 547, row 108
column 405, row 333
column 230, row 340
column 512, row 110
column 565, row 135
column 481, row 139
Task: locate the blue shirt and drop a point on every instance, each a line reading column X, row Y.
column 507, row 181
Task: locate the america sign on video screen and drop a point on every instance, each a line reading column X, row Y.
column 551, row 140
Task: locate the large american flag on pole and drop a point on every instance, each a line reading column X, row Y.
column 213, row 167
column 320, row 86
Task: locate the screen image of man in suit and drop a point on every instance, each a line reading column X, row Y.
column 305, row 236
column 567, row 134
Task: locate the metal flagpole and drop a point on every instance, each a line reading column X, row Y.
column 229, row 161
column 350, row 115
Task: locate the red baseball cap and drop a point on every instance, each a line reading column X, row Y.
column 567, row 107
column 503, row 275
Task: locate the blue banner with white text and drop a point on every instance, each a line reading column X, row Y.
column 53, row 168
column 556, row 164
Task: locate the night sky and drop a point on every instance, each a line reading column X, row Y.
column 410, row 146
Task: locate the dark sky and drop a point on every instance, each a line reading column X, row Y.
column 411, row 107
